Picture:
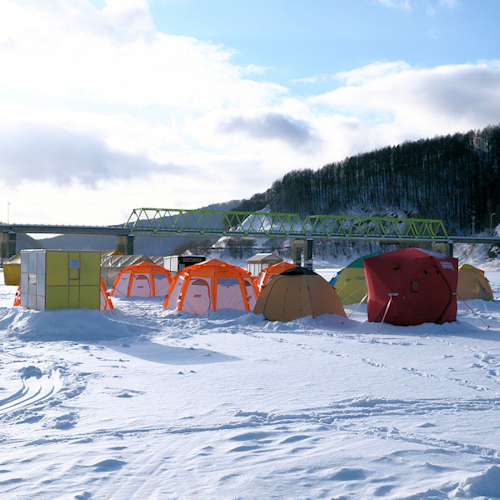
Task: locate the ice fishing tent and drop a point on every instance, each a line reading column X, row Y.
column 472, row 284
column 295, row 293
column 60, row 279
column 12, row 270
column 350, row 282
column 111, row 265
column 212, row 285
column 411, row 286
column 267, row 274
column 143, row 279
column 260, row 261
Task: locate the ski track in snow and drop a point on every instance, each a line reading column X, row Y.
column 35, row 389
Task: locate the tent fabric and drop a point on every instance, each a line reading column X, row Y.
column 105, row 301
column 421, row 286
column 350, row 282
column 472, row 284
column 111, row 265
column 143, row 279
column 297, row 293
column 210, row 286
column 17, row 298
column 267, row 274
column 12, row 270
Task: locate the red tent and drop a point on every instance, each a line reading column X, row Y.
column 420, row 286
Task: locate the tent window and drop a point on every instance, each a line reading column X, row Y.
column 198, row 283
column 141, row 277
column 227, row 281
column 415, row 286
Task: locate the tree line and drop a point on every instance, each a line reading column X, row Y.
column 455, row 178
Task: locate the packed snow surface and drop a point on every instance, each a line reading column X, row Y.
column 143, row 403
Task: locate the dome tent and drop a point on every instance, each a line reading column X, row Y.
column 267, row 274
column 350, row 282
column 296, row 293
column 411, row 286
column 472, row 284
column 143, row 279
column 210, row 286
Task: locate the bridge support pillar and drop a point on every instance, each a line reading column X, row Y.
column 125, row 244
column 297, row 246
column 306, row 246
column 8, row 244
column 446, row 248
column 308, row 256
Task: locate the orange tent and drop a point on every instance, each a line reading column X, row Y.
column 105, row 300
column 267, row 274
column 212, row 285
column 17, row 298
column 143, row 279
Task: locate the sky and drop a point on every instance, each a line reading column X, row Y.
column 111, row 105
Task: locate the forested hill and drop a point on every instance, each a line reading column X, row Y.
column 454, row 178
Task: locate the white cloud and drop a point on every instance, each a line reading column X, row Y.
column 116, row 56
column 371, row 72
column 410, row 4
column 401, row 4
column 441, row 100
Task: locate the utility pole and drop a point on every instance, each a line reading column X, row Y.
column 473, row 218
column 491, row 223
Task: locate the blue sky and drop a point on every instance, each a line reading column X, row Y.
column 298, row 40
column 106, row 106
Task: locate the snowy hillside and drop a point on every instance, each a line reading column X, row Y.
column 140, row 403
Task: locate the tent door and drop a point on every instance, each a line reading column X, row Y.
column 197, row 297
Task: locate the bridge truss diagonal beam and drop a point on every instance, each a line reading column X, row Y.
column 156, row 221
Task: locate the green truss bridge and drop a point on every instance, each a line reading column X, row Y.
column 215, row 223
column 155, row 221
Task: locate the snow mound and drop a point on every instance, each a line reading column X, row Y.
column 69, row 324
column 485, row 484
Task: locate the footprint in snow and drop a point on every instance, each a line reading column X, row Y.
column 30, row 371
column 346, row 474
column 109, row 465
column 250, row 436
column 294, row 439
column 84, row 496
column 65, row 422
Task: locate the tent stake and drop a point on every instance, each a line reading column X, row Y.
column 355, row 309
column 475, row 314
column 391, row 295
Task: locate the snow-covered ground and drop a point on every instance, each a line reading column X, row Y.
column 141, row 403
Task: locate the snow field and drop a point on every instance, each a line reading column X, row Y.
column 143, row 403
